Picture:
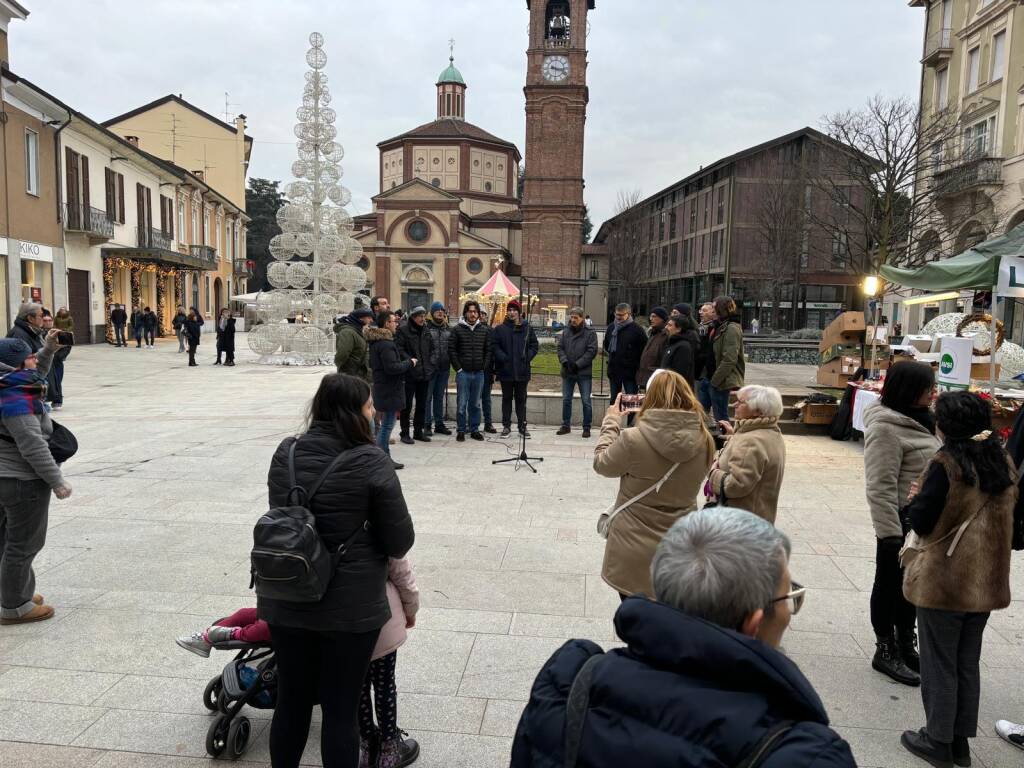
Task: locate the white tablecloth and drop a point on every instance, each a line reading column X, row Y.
column 861, row 401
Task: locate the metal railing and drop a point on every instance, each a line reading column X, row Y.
column 243, row 267
column 85, row 218
column 154, row 238
column 939, row 42
column 966, row 174
column 204, row 252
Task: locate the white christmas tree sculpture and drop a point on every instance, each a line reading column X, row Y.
column 315, row 272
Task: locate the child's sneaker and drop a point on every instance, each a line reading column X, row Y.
column 195, row 643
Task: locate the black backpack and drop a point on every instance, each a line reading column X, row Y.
column 289, row 559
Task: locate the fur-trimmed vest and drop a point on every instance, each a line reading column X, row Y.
column 976, row 577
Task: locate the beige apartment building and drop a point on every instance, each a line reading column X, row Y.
column 216, row 153
column 973, row 73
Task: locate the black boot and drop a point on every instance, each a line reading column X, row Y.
column 887, row 661
column 934, row 752
column 961, row 752
column 906, row 641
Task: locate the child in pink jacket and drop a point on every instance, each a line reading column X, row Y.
column 381, row 741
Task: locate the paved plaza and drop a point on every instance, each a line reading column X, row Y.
column 154, row 543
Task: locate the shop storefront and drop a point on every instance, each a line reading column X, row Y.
column 37, row 274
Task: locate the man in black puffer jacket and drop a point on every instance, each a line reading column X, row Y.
column 700, row 682
column 470, row 353
column 415, row 341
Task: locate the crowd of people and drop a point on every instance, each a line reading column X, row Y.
column 692, row 547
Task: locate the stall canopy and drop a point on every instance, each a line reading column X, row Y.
column 499, row 285
column 977, row 268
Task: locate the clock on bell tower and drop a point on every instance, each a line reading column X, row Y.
column 556, row 112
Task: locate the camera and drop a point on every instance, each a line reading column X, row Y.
column 66, row 338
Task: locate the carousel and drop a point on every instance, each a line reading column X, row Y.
column 495, row 295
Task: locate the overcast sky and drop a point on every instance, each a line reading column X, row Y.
column 674, row 84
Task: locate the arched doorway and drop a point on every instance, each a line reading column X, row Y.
column 929, row 248
column 218, row 296
column 1016, row 220
column 970, row 235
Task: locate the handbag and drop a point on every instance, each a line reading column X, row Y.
column 62, row 442
column 604, row 522
column 912, row 546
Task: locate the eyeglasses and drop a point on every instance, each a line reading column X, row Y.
column 797, row 595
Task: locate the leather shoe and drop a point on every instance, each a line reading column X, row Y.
column 39, row 613
column 586, row 433
column 396, row 465
column 441, row 429
column 563, row 431
column 490, row 430
column 476, row 436
column 406, row 440
column 461, row 437
column 421, row 437
column 922, row 745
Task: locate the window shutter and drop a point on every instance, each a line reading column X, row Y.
column 111, row 195
column 120, row 198
column 163, row 215
column 85, row 186
column 71, row 176
column 140, row 201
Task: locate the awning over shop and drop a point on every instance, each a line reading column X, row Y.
column 161, row 256
column 977, row 268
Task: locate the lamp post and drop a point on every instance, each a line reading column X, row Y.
column 871, row 288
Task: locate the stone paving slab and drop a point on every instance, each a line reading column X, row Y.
column 154, row 543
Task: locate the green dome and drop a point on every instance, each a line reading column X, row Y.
column 451, row 75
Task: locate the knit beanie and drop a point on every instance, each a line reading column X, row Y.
column 436, row 306
column 14, row 352
column 684, row 309
column 516, row 306
column 660, row 312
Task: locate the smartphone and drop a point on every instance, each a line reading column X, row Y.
column 66, row 338
column 631, row 403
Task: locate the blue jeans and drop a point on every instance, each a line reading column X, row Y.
column 704, row 394
column 586, row 385
column 436, row 394
column 626, row 386
column 719, row 403
column 387, row 424
column 469, row 385
column 119, row 338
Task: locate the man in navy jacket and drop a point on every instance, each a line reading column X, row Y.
column 700, row 682
column 515, row 345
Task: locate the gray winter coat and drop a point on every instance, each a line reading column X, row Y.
column 579, row 348
column 29, row 457
column 896, row 451
column 441, row 335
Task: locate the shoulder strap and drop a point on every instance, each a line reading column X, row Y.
column 324, row 475
column 764, row 747
column 576, row 709
column 653, row 489
column 311, row 491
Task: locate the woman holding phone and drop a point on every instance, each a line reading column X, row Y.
column 661, row 463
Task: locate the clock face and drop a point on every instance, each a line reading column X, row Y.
column 556, row 69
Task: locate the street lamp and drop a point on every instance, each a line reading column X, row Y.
column 871, row 287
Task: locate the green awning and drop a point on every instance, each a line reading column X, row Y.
column 977, row 268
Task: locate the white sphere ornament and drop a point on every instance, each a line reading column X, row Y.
column 333, row 277
column 330, row 247
column 343, row 220
column 316, row 58
column 282, row 246
column 277, row 274
column 354, row 279
column 265, row 339
column 325, row 306
column 300, row 274
column 354, row 252
column 311, row 340
column 346, row 303
column 316, row 40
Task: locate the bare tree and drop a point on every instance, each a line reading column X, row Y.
column 873, row 187
column 626, row 252
column 781, row 235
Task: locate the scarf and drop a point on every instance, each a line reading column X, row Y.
column 613, row 343
column 22, row 393
column 922, row 416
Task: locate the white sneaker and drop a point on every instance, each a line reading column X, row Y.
column 1011, row 732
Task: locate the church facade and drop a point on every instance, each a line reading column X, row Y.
column 447, row 214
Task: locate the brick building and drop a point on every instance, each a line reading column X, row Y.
column 744, row 225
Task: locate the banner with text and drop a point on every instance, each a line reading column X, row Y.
column 1011, row 276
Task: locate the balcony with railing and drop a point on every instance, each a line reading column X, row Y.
column 244, row 267
column 970, row 173
column 206, row 253
column 154, row 239
column 938, row 47
column 92, row 221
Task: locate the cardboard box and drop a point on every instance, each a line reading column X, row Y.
column 847, row 365
column 922, row 343
column 818, row 413
column 841, row 350
column 852, row 339
column 984, row 370
column 845, row 325
column 837, row 380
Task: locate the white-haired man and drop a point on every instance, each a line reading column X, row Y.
column 700, row 681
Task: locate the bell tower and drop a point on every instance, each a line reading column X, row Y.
column 556, row 113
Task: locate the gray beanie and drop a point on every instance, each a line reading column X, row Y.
column 14, row 352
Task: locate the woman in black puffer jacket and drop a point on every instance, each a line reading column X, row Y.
column 323, row 649
column 390, row 366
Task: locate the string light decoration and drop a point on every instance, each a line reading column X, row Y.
column 313, row 272
column 169, row 283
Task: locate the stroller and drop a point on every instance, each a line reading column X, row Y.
column 250, row 678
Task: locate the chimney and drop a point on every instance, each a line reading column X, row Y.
column 199, row 175
column 240, row 123
column 133, row 140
